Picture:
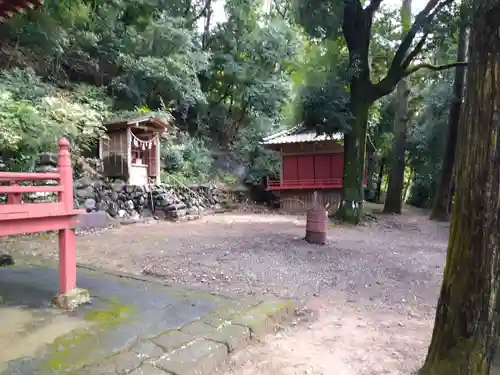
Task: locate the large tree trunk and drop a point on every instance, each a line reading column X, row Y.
column 443, row 193
column 394, row 199
column 380, row 178
column 466, row 328
column 351, row 205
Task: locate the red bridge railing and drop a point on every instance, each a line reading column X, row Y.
column 17, row 217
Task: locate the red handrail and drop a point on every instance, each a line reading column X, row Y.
column 18, row 217
column 324, row 183
column 29, row 176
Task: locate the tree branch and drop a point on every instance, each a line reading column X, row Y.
column 403, row 56
column 421, row 43
column 435, row 68
column 372, row 7
column 422, row 20
column 352, row 12
column 200, row 14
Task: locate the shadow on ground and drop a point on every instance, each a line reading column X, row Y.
column 41, row 339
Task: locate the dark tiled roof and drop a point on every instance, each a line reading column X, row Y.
column 299, row 134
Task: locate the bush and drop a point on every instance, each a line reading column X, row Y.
column 34, row 115
column 186, row 158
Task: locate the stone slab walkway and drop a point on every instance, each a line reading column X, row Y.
column 132, row 326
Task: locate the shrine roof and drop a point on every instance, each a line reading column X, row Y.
column 299, row 134
column 157, row 123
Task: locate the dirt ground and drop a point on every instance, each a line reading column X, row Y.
column 373, row 288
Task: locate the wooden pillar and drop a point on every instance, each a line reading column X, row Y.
column 281, row 166
column 129, row 154
column 67, row 237
column 157, row 155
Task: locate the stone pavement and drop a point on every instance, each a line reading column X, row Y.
column 132, row 326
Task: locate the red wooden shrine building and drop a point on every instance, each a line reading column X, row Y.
column 309, row 163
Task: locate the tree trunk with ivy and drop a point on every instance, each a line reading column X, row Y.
column 443, row 193
column 466, row 328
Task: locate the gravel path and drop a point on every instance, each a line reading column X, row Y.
column 374, row 287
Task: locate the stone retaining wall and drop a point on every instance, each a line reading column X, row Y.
column 165, row 201
column 172, row 202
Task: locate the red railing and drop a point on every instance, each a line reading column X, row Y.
column 326, row 183
column 17, row 217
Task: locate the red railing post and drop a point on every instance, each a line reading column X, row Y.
column 14, row 198
column 67, row 237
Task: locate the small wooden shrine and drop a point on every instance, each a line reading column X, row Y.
column 130, row 150
column 10, row 7
column 309, row 163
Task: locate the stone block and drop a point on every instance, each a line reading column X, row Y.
column 104, row 367
column 277, row 310
column 148, row 350
column 200, row 357
column 72, row 299
column 235, row 337
column 98, row 219
column 265, row 317
column 127, row 362
column 228, row 311
column 172, row 340
column 258, row 323
column 48, row 159
column 148, row 369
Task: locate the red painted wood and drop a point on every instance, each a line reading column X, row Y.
column 305, row 184
column 290, row 168
column 336, row 165
column 28, row 176
column 15, row 189
column 30, row 210
column 320, row 171
column 322, row 166
column 305, row 166
column 67, row 260
column 34, row 225
column 17, row 217
column 152, row 161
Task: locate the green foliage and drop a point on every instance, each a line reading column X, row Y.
column 34, row 115
column 427, row 140
column 247, row 83
column 320, row 19
column 74, row 63
column 186, row 158
column 232, row 81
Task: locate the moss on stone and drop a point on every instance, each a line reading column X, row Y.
column 75, row 349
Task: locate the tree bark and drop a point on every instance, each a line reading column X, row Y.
column 443, row 192
column 466, row 328
column 394, row 200
column 207, row 24
column 380, row 178
column 351, row 205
